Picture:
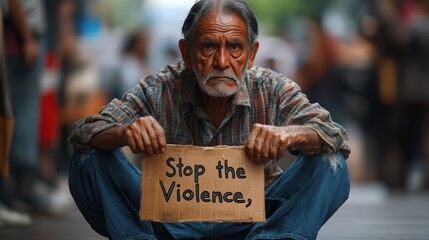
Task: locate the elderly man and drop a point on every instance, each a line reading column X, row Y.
column 215, row 96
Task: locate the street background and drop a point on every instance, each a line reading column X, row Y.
column 366, row 61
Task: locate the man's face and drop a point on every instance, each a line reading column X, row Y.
column 219, row 54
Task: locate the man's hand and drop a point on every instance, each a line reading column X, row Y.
column 30, row 51
column 267, row 142
column 144, row 135
column 19, row 17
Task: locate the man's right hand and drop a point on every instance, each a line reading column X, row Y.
column 144, row 135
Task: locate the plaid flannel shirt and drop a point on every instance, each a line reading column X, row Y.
column 171, row 96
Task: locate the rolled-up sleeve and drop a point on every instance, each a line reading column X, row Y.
column 295, row 109
column 117, row 112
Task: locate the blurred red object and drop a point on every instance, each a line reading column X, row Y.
column 50, row 113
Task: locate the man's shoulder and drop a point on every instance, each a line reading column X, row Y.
column 258, row 75
column 266, row 81
column 169, row 73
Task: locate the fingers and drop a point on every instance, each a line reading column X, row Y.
column 250, row 145
column 284, row 144
column 145, row 135
column 156, row 136
column 146, row 142
column 255, row 146
column 132, row 144
column 271, row 146
column 266, row 143
column 260, row 145
column 162, row 141
column 31, row 52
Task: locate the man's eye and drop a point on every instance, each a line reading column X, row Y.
column 235, row 49
column 208, row 48
column 235, row 46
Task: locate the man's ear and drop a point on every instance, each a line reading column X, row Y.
column 252, row 56
column 186, row 53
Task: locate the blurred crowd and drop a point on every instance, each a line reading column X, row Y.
column 366, row 61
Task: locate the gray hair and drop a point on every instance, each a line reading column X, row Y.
column 203, row 7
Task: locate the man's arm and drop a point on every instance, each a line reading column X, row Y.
column 270, row 142
column 122, row 122
column 19, row 17
column 298, row 126
column 144, row 135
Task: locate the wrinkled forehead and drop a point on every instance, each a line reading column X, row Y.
column 216, row 22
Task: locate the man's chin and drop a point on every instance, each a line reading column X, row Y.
column 219, row 86
column 216, row 92
column 224, row 80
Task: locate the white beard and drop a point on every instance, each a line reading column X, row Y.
column 221, row 89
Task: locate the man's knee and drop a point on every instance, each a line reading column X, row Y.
column 83, row 165
column 331, row 174
column 331, row 169
column 93, row 157
column 333, row 163
column 339, row 172
column 80, row 158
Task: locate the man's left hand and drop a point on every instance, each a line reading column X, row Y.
column 267, row 142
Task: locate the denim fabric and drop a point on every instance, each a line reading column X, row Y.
column 24, row 82
column 106, row 188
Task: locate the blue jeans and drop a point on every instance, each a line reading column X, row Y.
column 25, row 91
column 106, row 188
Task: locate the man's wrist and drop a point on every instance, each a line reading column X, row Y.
column 121, row 133
column 303, row 138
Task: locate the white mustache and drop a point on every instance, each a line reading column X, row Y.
column 218, row 74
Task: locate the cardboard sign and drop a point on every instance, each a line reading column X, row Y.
column 188, row 183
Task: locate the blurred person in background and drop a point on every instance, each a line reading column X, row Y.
column 69, row 12
column 378, row 26
column 172, row 54
column 399, row 31
column 214, row 96
column 345, row 65
column 134, row 62
column 277, row 54
column 25, row 49
column 329, row 72
column 317, row 74
column 413, row 98
column 24, row 28
column 14, row 11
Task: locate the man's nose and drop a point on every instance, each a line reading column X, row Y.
column 221, row 59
